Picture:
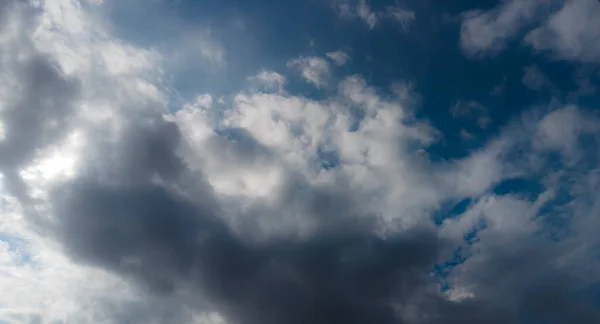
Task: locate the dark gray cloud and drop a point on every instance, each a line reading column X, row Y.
column 166, row 241
column 161, row 240
column 39, row 113
column 38, row 108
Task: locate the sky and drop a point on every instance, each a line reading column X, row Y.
column 306, row 161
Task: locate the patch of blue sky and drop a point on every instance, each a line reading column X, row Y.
column 524, row 188
column 450, row 209
column 329, row 158
column 441, row 271
column 18, row 248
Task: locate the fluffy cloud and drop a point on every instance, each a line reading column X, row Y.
column 270, row 207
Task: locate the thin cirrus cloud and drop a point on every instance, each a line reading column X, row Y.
column 271, row 206
column 534, row 78
column 372, row 18
column 339, row 57
column 314, row 70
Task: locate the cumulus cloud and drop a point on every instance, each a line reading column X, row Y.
column 271, row 207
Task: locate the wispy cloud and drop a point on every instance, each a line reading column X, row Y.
column 314, row 70
column 269, row 80
column 487, row 32
column 471, row 110
column 339, row 57
column 362, row 10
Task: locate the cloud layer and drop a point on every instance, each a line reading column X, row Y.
column 121, row 204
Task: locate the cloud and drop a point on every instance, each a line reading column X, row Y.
column 364, row 12
column 471, row 110
column 339, row 57
column 361, row 9
column 561, row 34
column 488, row 32
column 272, row 207
column 567, row 33
column 534, row 78
column 402, row 16
column 269, row 80
column 314, row 70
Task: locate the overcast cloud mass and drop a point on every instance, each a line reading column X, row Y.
column 339, row 161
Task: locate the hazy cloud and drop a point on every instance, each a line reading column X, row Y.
column 487, row 32
column 313, row 69
column 339, row 57
column 567, row 34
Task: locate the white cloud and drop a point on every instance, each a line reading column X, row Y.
column 487, row 32
column 339, row 57
column 465, row 135
column 561, row 35
column 364, row 12
column 314, row 70
column 203, row 101
column 534, row 78
column 361, row 9
column 569, row 33
column 402, row 16
column 561, row 129
column 471, row 110
column 209, row 49
column 269, row 80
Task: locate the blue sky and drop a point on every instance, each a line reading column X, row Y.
column 330, row 161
